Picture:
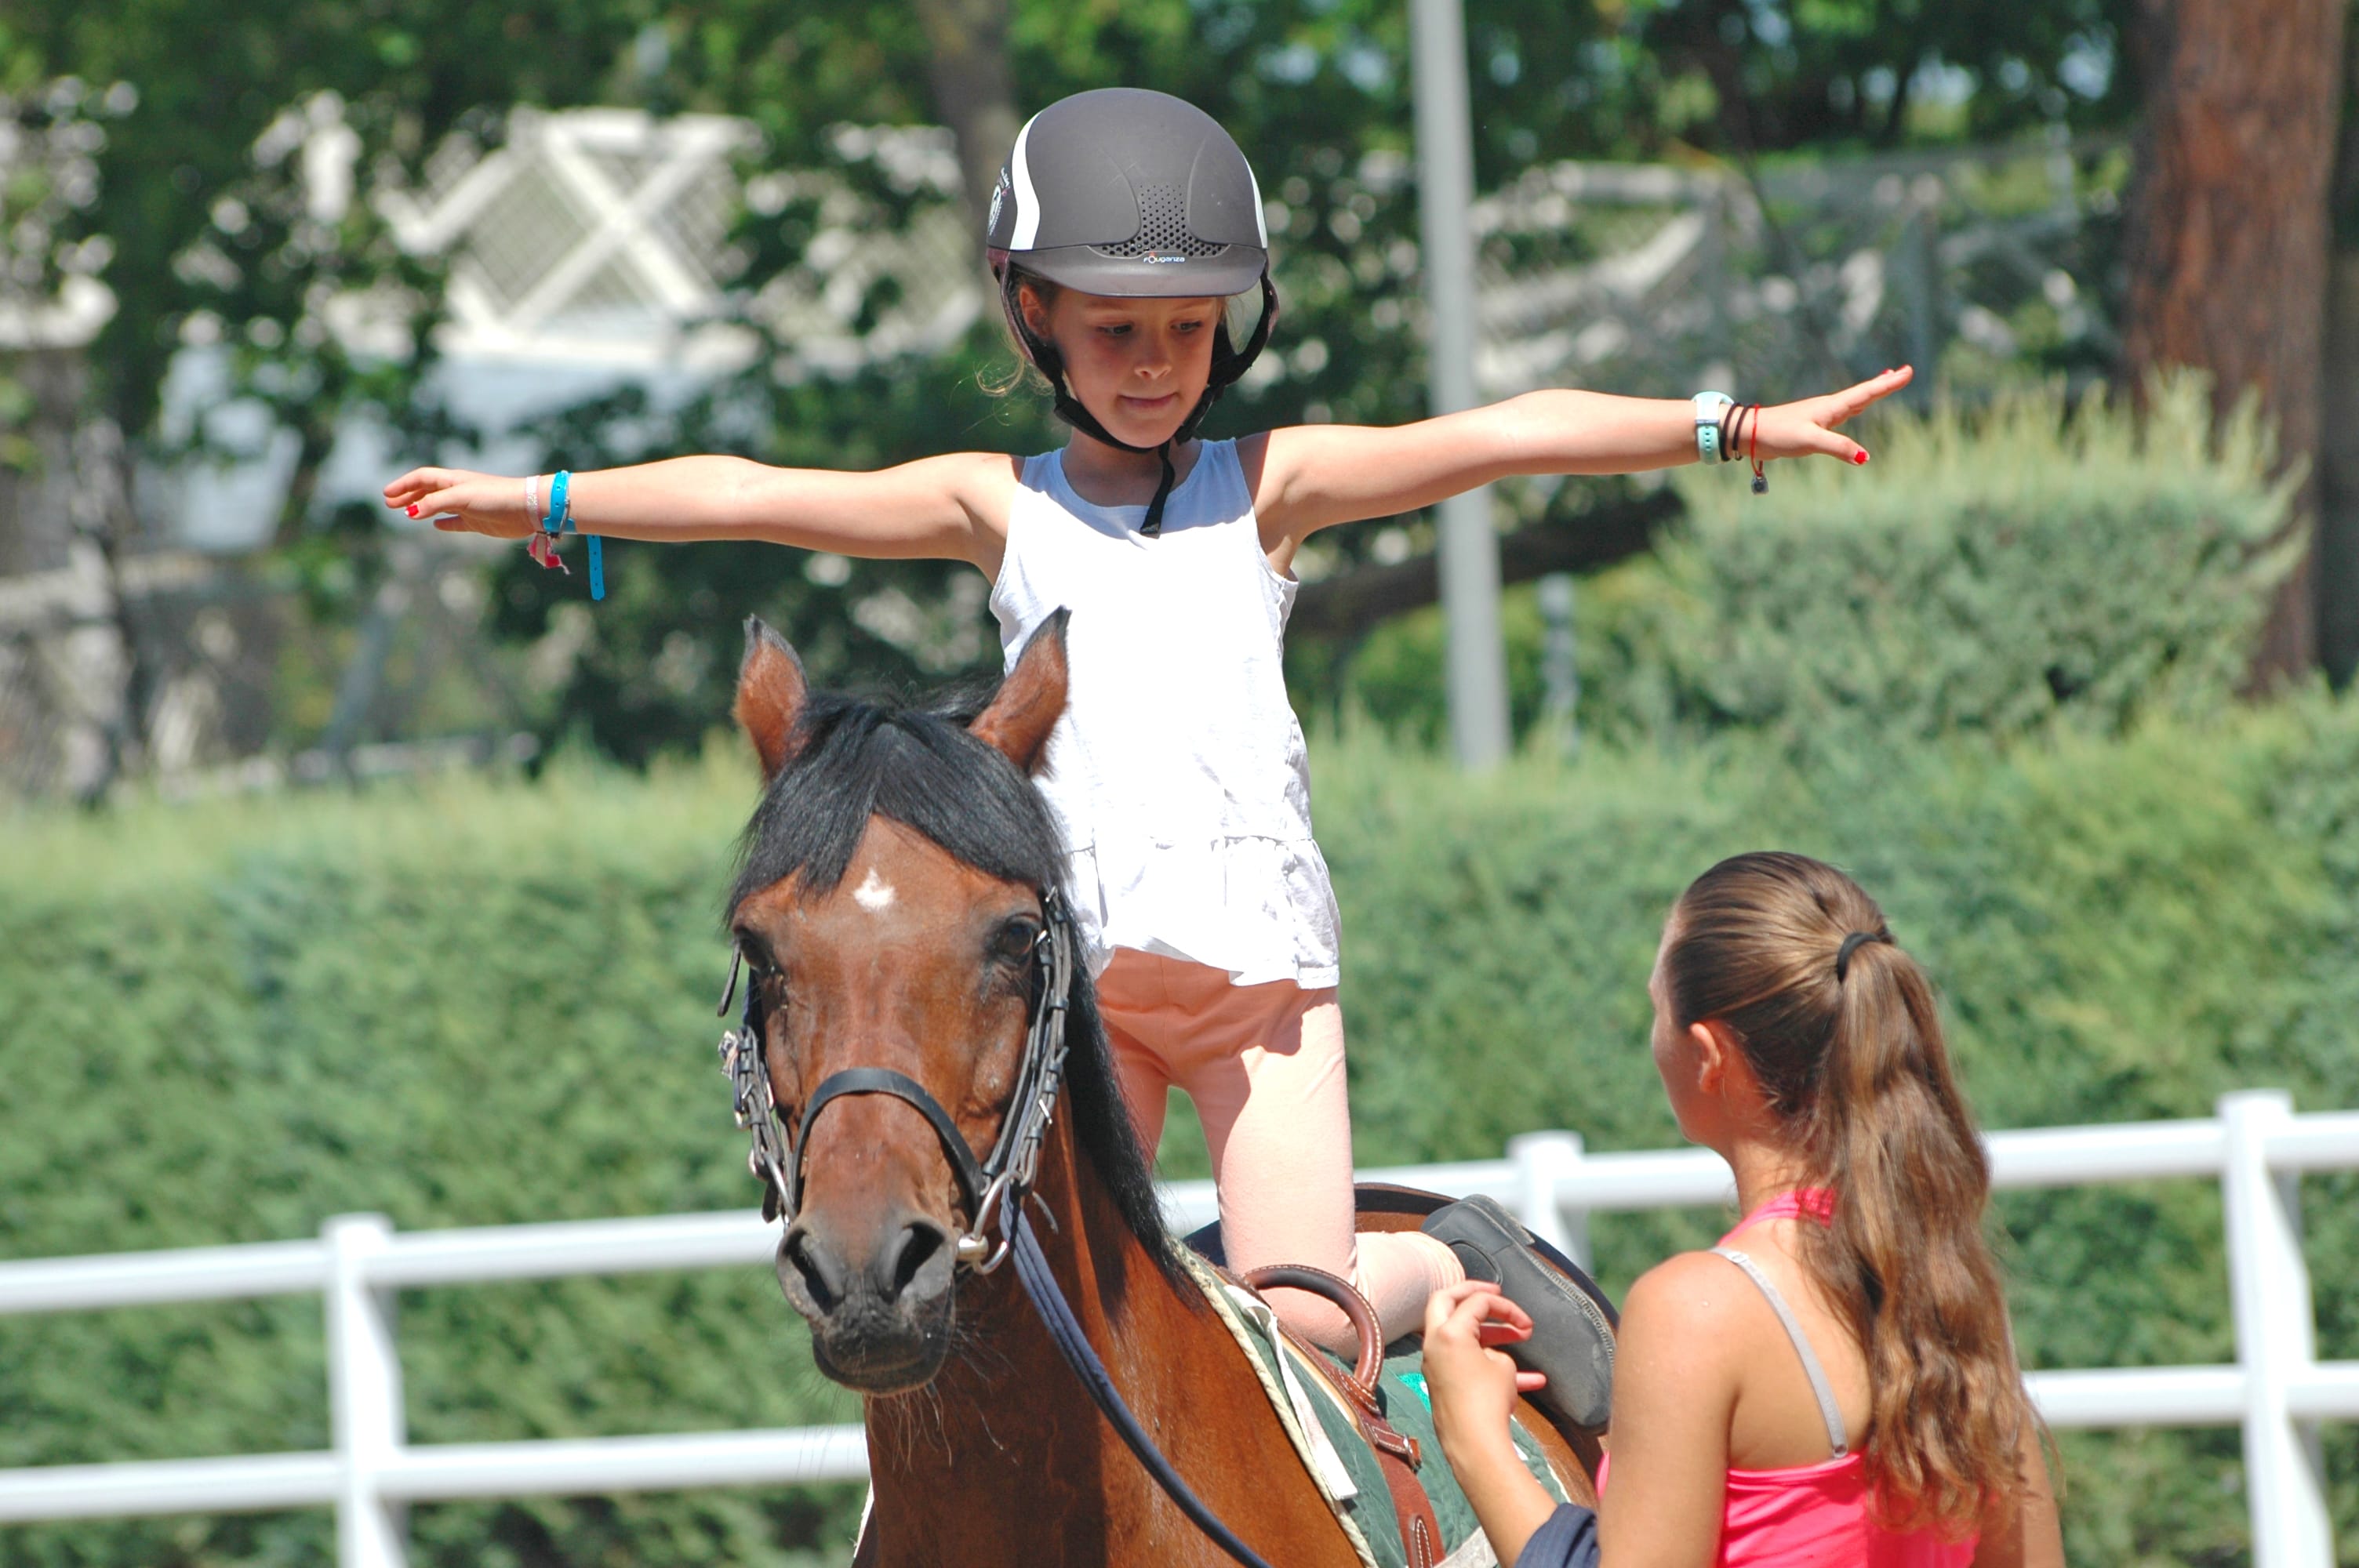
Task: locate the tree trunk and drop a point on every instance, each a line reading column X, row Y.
column 973, row 93
column 2338, row 462
column 2228, row 229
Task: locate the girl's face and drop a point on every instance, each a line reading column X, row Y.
column 1140, row 365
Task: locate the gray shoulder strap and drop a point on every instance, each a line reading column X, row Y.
column 1836, row 1435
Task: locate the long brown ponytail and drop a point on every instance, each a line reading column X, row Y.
column 1855, row 1063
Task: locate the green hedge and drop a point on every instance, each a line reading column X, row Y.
column 1993, row 573
column 469, row 1006
column 479, row 1003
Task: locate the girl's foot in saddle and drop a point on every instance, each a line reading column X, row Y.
column 1571, row 1342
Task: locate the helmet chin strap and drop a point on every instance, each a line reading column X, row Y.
column 1228, row 364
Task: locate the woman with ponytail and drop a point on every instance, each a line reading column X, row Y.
column 1835, row 1383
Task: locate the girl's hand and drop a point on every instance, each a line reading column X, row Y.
column 1472, row 1382
column 476, row 503
column 1806, row 428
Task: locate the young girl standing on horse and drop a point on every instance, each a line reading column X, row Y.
column 1835, row 1383
column 1123, row 223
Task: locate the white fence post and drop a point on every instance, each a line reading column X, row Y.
column 2270, row 1283
column 1542, row 1161
column 363, row 1394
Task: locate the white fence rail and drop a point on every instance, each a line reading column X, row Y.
column 2257, row 1148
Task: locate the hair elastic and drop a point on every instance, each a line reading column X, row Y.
column 1853, row 943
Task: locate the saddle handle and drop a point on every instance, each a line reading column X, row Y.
column 1397, row 1453
column 1370, row 1362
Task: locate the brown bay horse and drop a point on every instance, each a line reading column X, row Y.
column 897, row 890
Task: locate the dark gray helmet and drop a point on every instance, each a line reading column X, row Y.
column 1135, row 195
column 1122, row 191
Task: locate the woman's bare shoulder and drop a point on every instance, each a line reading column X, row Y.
column 1692, row 1290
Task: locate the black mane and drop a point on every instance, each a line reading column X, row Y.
column 856, row 759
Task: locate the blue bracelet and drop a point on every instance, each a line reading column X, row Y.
column 561, row 521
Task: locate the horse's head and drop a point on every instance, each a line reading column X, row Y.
column 891, row 908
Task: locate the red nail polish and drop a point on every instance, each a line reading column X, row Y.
column 1859, row 457
column 413, row 511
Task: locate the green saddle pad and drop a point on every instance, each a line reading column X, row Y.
column 1401, row 1398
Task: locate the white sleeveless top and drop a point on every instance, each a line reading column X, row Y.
column 1177, row 775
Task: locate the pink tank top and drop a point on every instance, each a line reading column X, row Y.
column 1811, row 1514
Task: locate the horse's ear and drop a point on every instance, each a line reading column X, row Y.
column 771, row 690
column 1031, row 699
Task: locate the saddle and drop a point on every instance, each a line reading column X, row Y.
column 1568, row 1457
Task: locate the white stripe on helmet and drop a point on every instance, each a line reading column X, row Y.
column 1261, row 220
column 1027, row 201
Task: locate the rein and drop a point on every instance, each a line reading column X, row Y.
column 995, row 1188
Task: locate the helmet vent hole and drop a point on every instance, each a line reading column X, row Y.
column 1162, row 226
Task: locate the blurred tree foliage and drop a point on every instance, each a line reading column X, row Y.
column 1319, row 96
column 218, row 228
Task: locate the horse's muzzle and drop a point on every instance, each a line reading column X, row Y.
column 879, row 1314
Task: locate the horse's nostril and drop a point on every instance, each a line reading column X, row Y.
column 818, row 1277
column 919, row 1244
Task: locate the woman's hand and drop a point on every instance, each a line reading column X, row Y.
column 1806, row 428
column 1472, row 1382
column 1473, row 1385
column 476, row 503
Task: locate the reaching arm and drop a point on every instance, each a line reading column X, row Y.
column 1315, row 476
column 1674, row 1390
column 952, row 508
column 1473, row 1386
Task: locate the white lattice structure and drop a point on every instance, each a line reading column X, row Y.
column 604, row 236
column 599, row 235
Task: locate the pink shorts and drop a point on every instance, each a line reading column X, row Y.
column 1264, row 1066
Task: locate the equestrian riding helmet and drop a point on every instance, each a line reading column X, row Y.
column 1134, row 194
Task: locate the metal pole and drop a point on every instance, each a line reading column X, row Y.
column 1469, row 550
column 1561, row 660
column 2268, row 1285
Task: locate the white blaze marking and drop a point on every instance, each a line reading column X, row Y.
column 876, row 894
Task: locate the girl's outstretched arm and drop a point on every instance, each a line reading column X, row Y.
column 947, row 508
column 1315, row 476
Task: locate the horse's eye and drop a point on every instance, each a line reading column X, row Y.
column 759, row 962
column 1016, row 939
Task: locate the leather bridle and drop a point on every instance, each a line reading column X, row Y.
column 993, row 1187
